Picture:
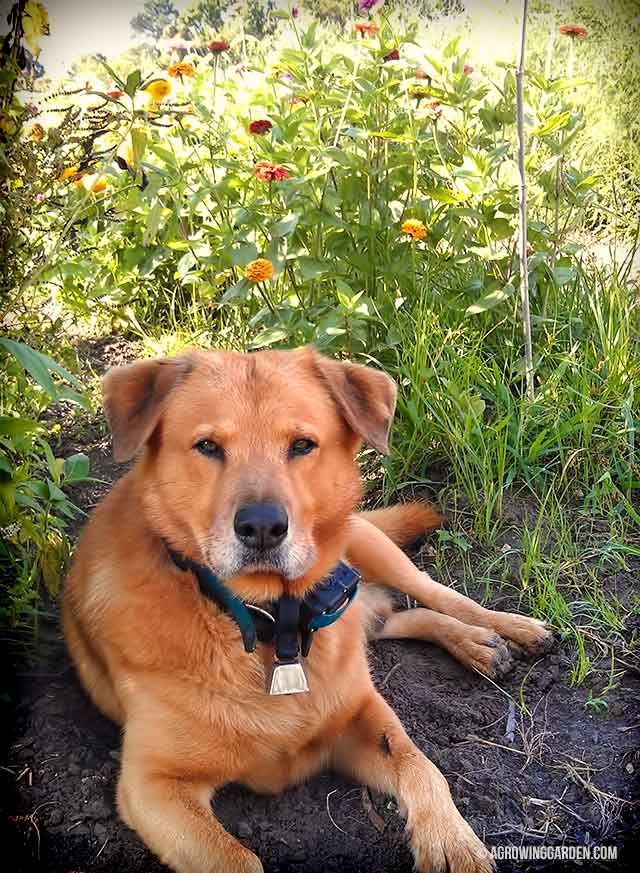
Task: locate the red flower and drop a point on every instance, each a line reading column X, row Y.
column 263, row 125
column 115, row 93
column 269, row 172
column 467, row 69
column 218, row 46
column 394, row 55
column 434, row 110
column 573, row 30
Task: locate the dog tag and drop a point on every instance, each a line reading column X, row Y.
column 288, row 678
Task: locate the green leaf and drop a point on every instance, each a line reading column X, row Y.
column 556, row 122
column 285, row 226
column 76, row 468
column 40, row 367
column 311, row 269
column 133, row 83
column 500, row 228
column 11, row 426
column 268, row 337
column 490, row 300
column 237, row 293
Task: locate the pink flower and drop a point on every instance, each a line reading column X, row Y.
column 267, row 171
column 394, row 55
column 467, row 69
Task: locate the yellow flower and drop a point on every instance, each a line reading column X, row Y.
column 158, row 90
column 38, row 132
column 68, row 173
column 181, row 69
column 92, row 182
column 414, row 228
column 259, row 270
column 125, row 151
column 7, row 124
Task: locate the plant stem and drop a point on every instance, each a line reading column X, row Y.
column 524, row 272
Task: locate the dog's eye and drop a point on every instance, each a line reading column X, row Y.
column 209, row 449
column 301, row 447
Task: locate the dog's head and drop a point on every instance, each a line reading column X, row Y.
column 248, row 459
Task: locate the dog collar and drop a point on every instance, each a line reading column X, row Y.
column 289, row 623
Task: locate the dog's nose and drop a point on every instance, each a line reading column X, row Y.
column 261, row 525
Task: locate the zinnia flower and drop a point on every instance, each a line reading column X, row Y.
column 38, row 132
column 574, row 31
column 217, row 46
column 262, row 125
column 467, row 69
column 115, row 93
column 419, row 92
column 158, row 90
column 394, row 55
column 92, row 182
column 367, row 28
column 181, row 69
column 366, row 5
column 434, row 110
column 414, row 228
column 68, row 173
column 259, row 270
column 421, row 74
column 269, row 172
column 295, row 12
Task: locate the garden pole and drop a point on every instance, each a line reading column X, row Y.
column 524, row 272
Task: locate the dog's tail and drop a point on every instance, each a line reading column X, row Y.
column 405, row 522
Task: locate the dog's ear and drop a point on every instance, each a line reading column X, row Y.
column 365, row 397
column 134, row 397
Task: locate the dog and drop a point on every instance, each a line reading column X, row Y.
column 240, row 506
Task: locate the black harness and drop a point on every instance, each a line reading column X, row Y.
column 288, row 623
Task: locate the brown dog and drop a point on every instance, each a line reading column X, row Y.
column 247, row 468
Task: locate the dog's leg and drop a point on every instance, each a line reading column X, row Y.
column 478, row 648
column 383, row 562
column 173, row 816
column 376, row 750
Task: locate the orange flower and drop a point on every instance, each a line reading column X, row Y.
column 115, row 93
column 574, row 31
column 268, row 172
column 414, row 228
column 421, row 74
column 259, row 270
column 68, row 173
column 181, row 69
column 38, row 132
column 367, row 28
column 92, row 182
column 158, row 90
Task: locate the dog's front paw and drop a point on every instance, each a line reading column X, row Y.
column 446, row 844
column 527, row 635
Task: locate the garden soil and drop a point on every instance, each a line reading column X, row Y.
column 547, row 771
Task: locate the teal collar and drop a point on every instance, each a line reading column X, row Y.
column 288, row 619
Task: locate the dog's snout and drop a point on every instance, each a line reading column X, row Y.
column 261, row 525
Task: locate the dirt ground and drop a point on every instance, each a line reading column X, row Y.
column 528, row 763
